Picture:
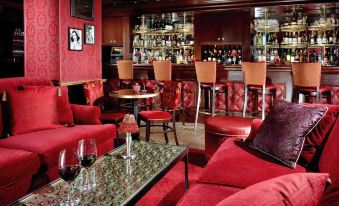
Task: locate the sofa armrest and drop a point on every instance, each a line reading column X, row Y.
column 255, row 125
column 84, row 114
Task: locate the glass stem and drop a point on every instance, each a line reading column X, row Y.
column 128, row 143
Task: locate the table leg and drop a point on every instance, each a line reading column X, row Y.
column 186, row 172
column 135, row 112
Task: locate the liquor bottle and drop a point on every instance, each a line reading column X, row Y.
column 319, row 39
column 294, row 38
column 331, row 57
column 285, row 39
column 255, row 39
column 290, row 38
column 324, row 38
column 259, row 39
column 264, row 39
column 330, row 37
column 320, row 59
column 313, row 56
column 288, row 56
column 300, row 38
column 292, row 55
column 312, row 40
column 163, row 41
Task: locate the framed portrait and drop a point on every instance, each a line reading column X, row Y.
column 75, row 39
column 89, row 34
column 82, row 9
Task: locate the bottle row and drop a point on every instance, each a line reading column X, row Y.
column 296, row 38
column 175, row 40
column 327, row 57
column 147, row 56
column 226, row 55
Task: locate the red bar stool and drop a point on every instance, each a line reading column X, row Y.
column 254, row 74
column 306, row 81
column 170, row 102
column 206, row 77
column 162, row 73
column 125, row 72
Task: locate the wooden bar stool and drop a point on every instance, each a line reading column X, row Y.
column 125, row 72
column 254, row 74
column 306, row 81
column 206, row 77
column 163, row 73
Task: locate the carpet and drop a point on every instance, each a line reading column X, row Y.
column 186, row 135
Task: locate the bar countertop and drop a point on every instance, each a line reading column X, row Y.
column 270, row 68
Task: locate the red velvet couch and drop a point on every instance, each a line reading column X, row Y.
column 30, row 160
column 235, row 166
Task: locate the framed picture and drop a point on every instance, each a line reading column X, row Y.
column 82, row 9
column 75, row 39
column 89, row 34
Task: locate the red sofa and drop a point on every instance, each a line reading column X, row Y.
column 30, row 160
column 235, row 166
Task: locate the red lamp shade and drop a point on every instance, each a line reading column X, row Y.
column 128, row 125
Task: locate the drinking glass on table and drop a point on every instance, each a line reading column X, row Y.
column 87, row 153
column 69, row 169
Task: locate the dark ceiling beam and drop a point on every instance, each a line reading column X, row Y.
column 190, row 6
column 11, row 4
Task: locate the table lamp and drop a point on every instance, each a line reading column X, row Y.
column 128, row 126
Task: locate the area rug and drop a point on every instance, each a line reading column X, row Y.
column 186, row 135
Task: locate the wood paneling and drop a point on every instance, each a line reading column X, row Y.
column 226, row 28
column 112, row 31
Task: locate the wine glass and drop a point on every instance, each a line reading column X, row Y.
column 87, row 154
column 69, row 169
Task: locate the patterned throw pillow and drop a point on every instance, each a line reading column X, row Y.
column 282, row 134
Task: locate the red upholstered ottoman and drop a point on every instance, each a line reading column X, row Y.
column 217, row 129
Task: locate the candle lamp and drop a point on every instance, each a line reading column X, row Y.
column 128, row 126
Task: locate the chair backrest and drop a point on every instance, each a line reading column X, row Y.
column 125, row 69
column 94, row 92
column 171, row 95
column 206, row 71
column 306, row 74
column 162, row 70
column 254, row 73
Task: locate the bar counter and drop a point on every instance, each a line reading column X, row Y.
column 229, row 73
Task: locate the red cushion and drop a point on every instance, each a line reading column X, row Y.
column 48, row 143
column 115, row 116
column 229, row 126
column 331, row 195
column 293, row 189
column 282, row 133
column 1, row 125
column 237, row 165
column 84, row 114
column 206, row 194
column 330, row 153
column 171, row 95
column 259, row 87
column 33, row 109
column 64, row 108
column 155, row 115
column 314, row 140
column 313, row 89
column 93, row 91
column 16, row 164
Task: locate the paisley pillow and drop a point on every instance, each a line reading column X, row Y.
column 282, row 134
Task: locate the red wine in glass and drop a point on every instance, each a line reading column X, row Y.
column 69, row 169
column 87, row 160
column 69, row 172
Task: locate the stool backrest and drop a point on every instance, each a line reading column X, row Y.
column 206, row 71
column 306, row 74
column 125, row 69
column 162, row 70
column 254, row 73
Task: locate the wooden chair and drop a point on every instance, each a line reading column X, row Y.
column 125, row 72
column 306, row 81
column 170, row 102
column 254, row 75
column 206, row 77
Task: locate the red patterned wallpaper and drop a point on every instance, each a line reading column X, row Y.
column 46, row 42
column 41, row 22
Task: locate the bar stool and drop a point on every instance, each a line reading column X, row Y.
column 125, row 72
column 163, row 73
column 254, row 74
column 206, row 77
column 306, row 81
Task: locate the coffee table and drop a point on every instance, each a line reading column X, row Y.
column 118, row 181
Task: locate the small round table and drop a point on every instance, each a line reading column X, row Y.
column 130, row 94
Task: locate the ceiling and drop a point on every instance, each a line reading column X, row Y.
column 125, row 7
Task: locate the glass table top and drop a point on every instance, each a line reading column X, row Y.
column 118, row 181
